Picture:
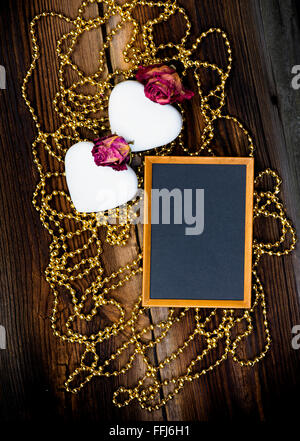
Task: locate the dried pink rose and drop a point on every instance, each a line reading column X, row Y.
column 111, row 151
column 162, row 84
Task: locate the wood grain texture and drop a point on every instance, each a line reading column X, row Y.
column 264, row 35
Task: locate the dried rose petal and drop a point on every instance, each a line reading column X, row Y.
column 162, row 84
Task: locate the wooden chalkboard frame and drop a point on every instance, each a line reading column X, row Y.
column 246, row 302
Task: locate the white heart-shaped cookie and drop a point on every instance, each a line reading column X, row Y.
column 95, row 188
column 139, row 120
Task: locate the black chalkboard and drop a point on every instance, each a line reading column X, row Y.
column 197, row 243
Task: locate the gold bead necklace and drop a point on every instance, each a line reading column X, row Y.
column 71, row 264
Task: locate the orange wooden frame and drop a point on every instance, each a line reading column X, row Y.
column 246, row 302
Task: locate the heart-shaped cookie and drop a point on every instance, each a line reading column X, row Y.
column 139, row 120
column 94, row 188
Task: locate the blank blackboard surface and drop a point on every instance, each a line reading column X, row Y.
column 212, row 268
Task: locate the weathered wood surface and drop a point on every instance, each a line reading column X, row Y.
column 264, row 36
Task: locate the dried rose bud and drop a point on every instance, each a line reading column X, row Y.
column 111, row 151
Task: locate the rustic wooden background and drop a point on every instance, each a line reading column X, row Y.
column 265, row 36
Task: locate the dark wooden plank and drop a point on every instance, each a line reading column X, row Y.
column 281, row 30
column 258, row 392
